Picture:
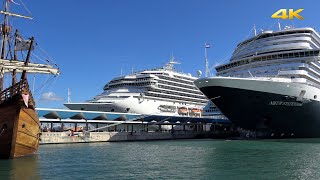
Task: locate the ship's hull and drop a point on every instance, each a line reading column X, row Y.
column 271, row 109
column 132, row 105
column 20, row 129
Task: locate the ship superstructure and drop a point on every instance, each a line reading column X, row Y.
column 271, row 84
column 154, row 91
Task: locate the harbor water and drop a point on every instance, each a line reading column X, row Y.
column 171, row 159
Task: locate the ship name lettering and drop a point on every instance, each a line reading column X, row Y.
column 282, row 103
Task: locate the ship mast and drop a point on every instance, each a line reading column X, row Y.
column 15, row 57
column 5, row 31
column 13, row 65
column 23, row 76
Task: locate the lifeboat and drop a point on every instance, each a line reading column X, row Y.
column 196, row 111
column 183, row 110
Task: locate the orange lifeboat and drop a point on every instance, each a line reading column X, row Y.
column 196, row 111
column 183, row 110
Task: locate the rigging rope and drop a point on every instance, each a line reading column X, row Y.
column 25, row 7
column 40, row 89
column 48, row 57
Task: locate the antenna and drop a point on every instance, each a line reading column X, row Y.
column 254, row 29
column 207, row 70
column 169, row 65
column 279, row 26
column 69, row 96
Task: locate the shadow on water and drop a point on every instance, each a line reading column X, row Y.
column 298, row 140
column 20, row 168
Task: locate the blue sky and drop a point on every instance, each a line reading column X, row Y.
column 92, row 41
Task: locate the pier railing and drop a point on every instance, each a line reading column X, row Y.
column 22, row 87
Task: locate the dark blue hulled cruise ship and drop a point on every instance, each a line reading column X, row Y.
column 271, row 84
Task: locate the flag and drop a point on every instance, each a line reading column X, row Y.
column 25, row 98
column 22, row 45
column 207, row 45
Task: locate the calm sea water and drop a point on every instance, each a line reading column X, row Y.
column 178, row 159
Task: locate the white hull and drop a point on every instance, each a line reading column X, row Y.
column 131, row 105
column 267, row 85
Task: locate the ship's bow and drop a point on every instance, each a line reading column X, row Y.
column 272, row 109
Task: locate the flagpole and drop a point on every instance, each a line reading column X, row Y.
column 206, row 59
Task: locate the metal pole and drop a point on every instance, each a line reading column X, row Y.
column 206, row 61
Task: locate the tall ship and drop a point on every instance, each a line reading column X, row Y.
column 19, row 123
column 271, row 85
column 163, row 91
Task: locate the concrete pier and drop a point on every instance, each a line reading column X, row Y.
column 69, row 126
column 88, row 137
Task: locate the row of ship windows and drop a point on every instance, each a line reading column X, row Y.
column 156, row 73
column 274, row 72
column 134, row 80
column 143, row 79
column 177, row 80
column 270, row 57
column 211, row 110
column 173, row 102
column 165, row 76
column 179, row 85
column 259, row 46
column 268, row 52
column 179, row 89
column 179, row 94
column 175, row 98
column 181, row 77
column 263, row 71
column 133, row 84
column 261, row 36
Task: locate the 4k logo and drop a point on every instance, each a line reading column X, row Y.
column 282, row 14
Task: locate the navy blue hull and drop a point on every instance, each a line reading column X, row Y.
column 270, row 115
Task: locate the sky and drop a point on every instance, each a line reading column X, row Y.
column 94, row 41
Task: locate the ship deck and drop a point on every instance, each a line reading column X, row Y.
column 78, row 116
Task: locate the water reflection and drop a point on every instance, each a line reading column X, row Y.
column 20, row 168
column 265, row 159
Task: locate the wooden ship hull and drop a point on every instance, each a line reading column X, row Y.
column 19, row 123
column 20, row 127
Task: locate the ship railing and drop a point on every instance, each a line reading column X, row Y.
column 18, row 88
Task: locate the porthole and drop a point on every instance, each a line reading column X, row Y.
column 315, row 96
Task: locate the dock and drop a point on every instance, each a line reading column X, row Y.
column 76, row 126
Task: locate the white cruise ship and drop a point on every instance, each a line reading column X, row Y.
column 156, row 91
column 271, row 84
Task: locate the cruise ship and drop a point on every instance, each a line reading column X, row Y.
column 271, row 85
column 162, row 91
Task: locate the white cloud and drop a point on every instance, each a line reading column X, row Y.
column 50, row 96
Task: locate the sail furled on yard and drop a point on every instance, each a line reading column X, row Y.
column 23, row 45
